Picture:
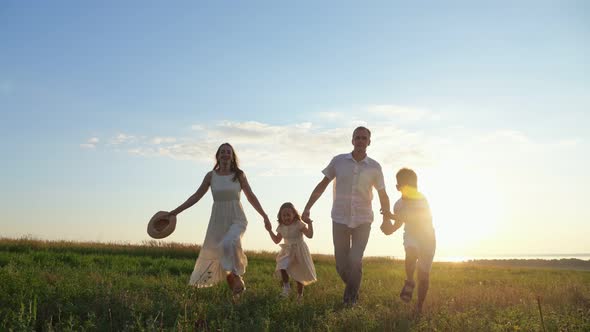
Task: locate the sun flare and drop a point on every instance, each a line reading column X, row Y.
column 465, row 206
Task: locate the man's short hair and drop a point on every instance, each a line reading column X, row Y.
column 361, row 128
column 407, row 177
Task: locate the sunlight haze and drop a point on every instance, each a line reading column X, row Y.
column 112, row 111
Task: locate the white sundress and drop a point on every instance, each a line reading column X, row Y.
column 294, row 256
column 222, row 249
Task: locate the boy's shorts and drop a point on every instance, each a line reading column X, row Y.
column 425, row 249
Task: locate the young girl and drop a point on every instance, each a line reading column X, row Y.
column 294, row 259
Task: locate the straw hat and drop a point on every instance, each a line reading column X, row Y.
column 161, row 225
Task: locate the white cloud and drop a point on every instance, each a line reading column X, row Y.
column 90, row 143
column 331, row 115
column 304, row 125
column 138, row 151
column 512, row 136
column 160, row 140
column 572, row 142
column 248, row 129
column 308, row 146
column 197, row 151
column 271, row 149
column 123, row 139
column 401, row 112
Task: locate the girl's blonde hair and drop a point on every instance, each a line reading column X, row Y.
column 288, row 205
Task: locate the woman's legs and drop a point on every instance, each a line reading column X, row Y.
column 233, row 259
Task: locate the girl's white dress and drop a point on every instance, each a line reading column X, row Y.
column 222, row 249
column 294, row 256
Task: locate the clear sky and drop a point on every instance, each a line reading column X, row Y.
column 111, row 111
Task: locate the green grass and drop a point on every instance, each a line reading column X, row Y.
column 65, row 286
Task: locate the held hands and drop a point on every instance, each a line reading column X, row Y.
column 305, row 215
column 387, row 227
column 388, row 215
column 267, row 224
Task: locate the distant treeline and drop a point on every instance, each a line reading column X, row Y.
column 569, row 263
column 156, row 249
column 148, row 248
column 152, row 248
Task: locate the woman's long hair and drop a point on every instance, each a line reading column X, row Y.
column 234, row 166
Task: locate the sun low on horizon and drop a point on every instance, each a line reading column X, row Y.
column 99, row 120
column 467, row 209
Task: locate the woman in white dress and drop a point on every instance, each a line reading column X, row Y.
column 294, row 260
column 221, row 256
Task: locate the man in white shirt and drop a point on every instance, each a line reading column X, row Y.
column 352, row 214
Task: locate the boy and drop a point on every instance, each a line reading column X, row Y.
column 419, row 240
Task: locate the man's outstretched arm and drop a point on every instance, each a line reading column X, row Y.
column 315, row 195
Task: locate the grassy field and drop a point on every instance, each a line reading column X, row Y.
column 61, row 286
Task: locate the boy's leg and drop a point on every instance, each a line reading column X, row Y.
column 410, row 263
column 411, row 258
column 425, row 258
column 423, row 285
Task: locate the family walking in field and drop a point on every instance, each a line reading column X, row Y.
column 355, row 175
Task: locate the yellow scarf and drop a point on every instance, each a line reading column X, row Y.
column 409, row 192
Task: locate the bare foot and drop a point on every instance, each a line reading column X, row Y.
column 417, row 312
column 238, row 284
column 230, row 280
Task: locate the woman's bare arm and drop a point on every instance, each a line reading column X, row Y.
column 254, row 200
column 194, row 198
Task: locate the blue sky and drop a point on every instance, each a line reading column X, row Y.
column 113, row 111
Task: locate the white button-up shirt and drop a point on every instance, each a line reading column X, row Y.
column 353, row 188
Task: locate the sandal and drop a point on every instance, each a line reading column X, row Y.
column 407, row 290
